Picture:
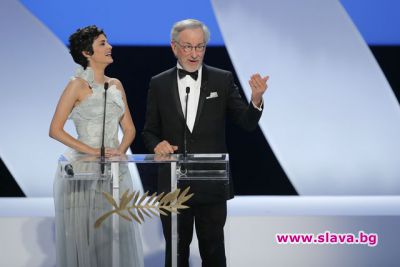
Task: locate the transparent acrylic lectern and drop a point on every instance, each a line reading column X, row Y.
column 202, row 168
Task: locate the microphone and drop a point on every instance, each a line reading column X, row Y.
column 185, row 132
column 103, row 149
column 69, row 170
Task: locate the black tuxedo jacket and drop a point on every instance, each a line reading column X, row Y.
column 219, row 100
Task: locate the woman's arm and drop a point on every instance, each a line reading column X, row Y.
column 66, row 103
column 126, row 122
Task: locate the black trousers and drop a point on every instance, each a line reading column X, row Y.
column 209, row 220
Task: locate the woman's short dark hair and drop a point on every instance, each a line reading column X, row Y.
column 82, row 40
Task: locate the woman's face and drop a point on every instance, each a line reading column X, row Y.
column 101, row 51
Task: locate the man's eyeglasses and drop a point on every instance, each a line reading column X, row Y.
column 188, row 48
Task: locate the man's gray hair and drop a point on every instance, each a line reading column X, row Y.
column 189, row 24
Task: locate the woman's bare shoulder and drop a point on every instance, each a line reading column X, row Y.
column 76, row 84
column 116, row 82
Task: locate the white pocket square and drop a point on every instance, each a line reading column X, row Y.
column 212, row 95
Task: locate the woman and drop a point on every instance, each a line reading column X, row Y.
column 78, row 203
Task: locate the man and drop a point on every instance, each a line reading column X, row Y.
column 213, row 97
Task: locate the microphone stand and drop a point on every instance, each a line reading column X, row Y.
column 186, row 127
column 103, row 149
column 183, row 170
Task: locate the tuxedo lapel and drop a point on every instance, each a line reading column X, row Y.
column 203, row 94
column 175, row 93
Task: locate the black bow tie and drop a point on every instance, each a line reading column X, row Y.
column 182, row 73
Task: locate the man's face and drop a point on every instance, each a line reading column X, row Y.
column 190, row 48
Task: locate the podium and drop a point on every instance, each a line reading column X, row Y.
column 201, row 168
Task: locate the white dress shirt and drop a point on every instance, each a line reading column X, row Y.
column 194, row 95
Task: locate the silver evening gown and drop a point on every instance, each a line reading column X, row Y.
column 79, row 203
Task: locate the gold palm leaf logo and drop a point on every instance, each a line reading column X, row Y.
column 132, row 206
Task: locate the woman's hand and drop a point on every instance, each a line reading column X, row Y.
column 109, row 152
column 112, row 152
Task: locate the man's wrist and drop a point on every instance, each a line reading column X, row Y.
column 258, row 107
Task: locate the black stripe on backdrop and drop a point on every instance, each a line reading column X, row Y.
column 9, row 187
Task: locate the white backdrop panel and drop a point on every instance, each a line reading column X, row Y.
column 330, row 115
